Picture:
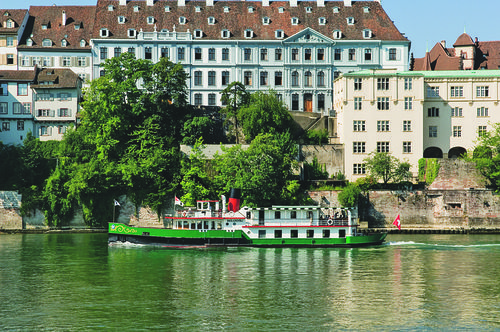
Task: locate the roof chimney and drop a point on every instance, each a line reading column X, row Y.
column 347, row 3
column 293, row 3
column 181, row 3
column 210, row 3
column 443, row 42
column 63, row 18
column 150, row 2
column 321, row 3
column 265, row 3
column 123, row 2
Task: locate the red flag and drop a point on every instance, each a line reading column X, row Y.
column 397, row 222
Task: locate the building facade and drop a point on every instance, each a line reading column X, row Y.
column 12, row 25
column 413, row 115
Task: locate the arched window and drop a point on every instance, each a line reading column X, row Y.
column 321, row 78
column 295, row 78
column 308, row 78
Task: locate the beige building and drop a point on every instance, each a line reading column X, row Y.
column 413, row 114
column 12, row 24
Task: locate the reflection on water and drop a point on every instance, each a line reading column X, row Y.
column 77, row 282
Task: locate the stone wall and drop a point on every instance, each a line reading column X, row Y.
column 330, row 155
column 10, row 217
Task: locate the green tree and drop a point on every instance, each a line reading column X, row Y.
column 486, row 155
column 197, row 127
column 349, row 196
column 317, row 136
column 382, row 165
column 234, row 96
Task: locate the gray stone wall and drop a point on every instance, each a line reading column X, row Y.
column 10, row 217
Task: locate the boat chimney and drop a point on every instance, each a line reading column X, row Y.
column 234, row 200
column 224, row 207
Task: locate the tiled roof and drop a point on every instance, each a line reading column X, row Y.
column 59, row 78
column 52, row 16
column 490, row 55
column 427, row 74
column 464, row 40
column 17, row 75
column 439, row 59
column 238, row 18
column 16, row 15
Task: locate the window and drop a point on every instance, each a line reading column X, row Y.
column 10, row 41
column 35, row 60
column 9, row 24
column 198, row 33
column 358, row 83
column 45, row 113
column 66, row 61
column 64, row 96
column 383, row 125
column 198, row 99
column 148, row 53
column 180, row 53
column 226, row 9
column 352, row 54
column 278, row 233
column 121, row 19
column 307, row 54
column 358, row 147
column 104, row 32
column 182, row 20
column 358, row 169
column 368, row 54
column 211, row 78
column 322, row 21
column 198, row 76
column 225, row 33
column 17, row 108
column 104, row 53
column 247, row 54
column 308, row 79
column 211, row 54
column 295, row 78
column 211, row 99
column 295, row 20
column 432, row 91
column 225, row 54
column 61, row 129
column 279, row 34
column 367, row 34
column 321, row 101
column 25, row 61
column 266, row 20
column 22, row 89
column 482, row 91
column 337, row 54
column 278, row 78
column 4, row 108
column 456, row 111
column 64, row 112
column 433, row 112
column 211, row 20
column 456, row 91
column 46, row 42
column 197, row 53
column 247, row 77
column 167, row 9
column 263, row 54
column 408, row 83
column 5, row 126
column 383, row 103
column 164, row 52
column 45, row 131
column 81, row 61
column 482, row 111
column 358, row 125
column 20, row 125
column 131, row 33
column 262, row 233
column 263, row 78
column 278, row 54
column 382, row 146
column 321, row 54
column 83, row 43
column 310, row 232
column 433, row 131
column 383, row 83
column 64, row 43
column 392, row 54
column 295, row 102
column 358, row 103
column 281, row 10
column 46, row 61
column 27, row 108
column 321, row 78
column 248, row 33
column 337, row 34
column 406, row 147
column 295, row 54
column 294, row 233
column 406, row 125
column 457, row 131
column 350, row 20
column 131, row 50
column 481, row 130
column 111, row 8
column 118, row 51
column 45, row 96
column 225, row 77
column 277, row 214
column 408, row 103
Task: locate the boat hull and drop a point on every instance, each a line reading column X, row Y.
column 222, row 238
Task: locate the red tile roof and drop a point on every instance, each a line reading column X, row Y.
column 489, row 57
column 438, row 58
column 60, row 78
column 16, row 15
column 464, row 40
column 238, row 19
column 17, row 75
column 83, row 16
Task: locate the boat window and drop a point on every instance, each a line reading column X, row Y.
column 262, row 233
column 309, row 214
column 278, row 233
column 261, row 216
column 294, row 233
column 341, row 232
column 293, row 215
column 310, row 233
column 249, row 215
column 326, row 233
column 277, row 214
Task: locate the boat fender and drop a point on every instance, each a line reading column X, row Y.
column 330, row 222
column 184, row 213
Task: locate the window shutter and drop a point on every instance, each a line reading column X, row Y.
column 69, row 111
column 3, row 59
column 31, row 61
column 39, row 131
column 52, row 113
column 49, row 131
column 58, row 112
column 73, row 61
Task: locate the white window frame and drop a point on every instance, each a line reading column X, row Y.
column 104, row 32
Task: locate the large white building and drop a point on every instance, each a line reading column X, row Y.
column 413, row 114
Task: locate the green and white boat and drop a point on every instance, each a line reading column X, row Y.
column 279, row 226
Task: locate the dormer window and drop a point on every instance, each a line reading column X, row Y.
column 151, row 20
column 167, row 9
column 366, row 9
column 226, row 9
column 279, row 34
column 367, row 34
column 46, row 42
column 182, row 20
column 197, row 9
column 281, row 10
column 266, row 20
column 250, row 9
column 295, row 20
column 136, row 8
column 322, row 21
column 83, row 43
column 337, row 34
column 9, row 23
column 198, row 33
column 121, row 19
column 111, row 8
column 350, row 20
column 64, row 43
column 225, row 33
column 309, row 10
column 44, row 26
column 29, row 42
column 131, row 33
column 211, row 20
column 335, row 9
column 248, row 33
column 77, row 26
column 104, row 32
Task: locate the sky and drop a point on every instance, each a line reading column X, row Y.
column 424, row 22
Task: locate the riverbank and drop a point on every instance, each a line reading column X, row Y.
column 46, row 231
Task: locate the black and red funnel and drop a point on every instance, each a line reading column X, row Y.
column 234, row 200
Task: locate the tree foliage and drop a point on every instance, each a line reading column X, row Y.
column 486, row 155
column 382, row 165
column 349, row 196
column 234, row 96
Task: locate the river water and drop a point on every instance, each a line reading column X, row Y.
column 76, row 282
